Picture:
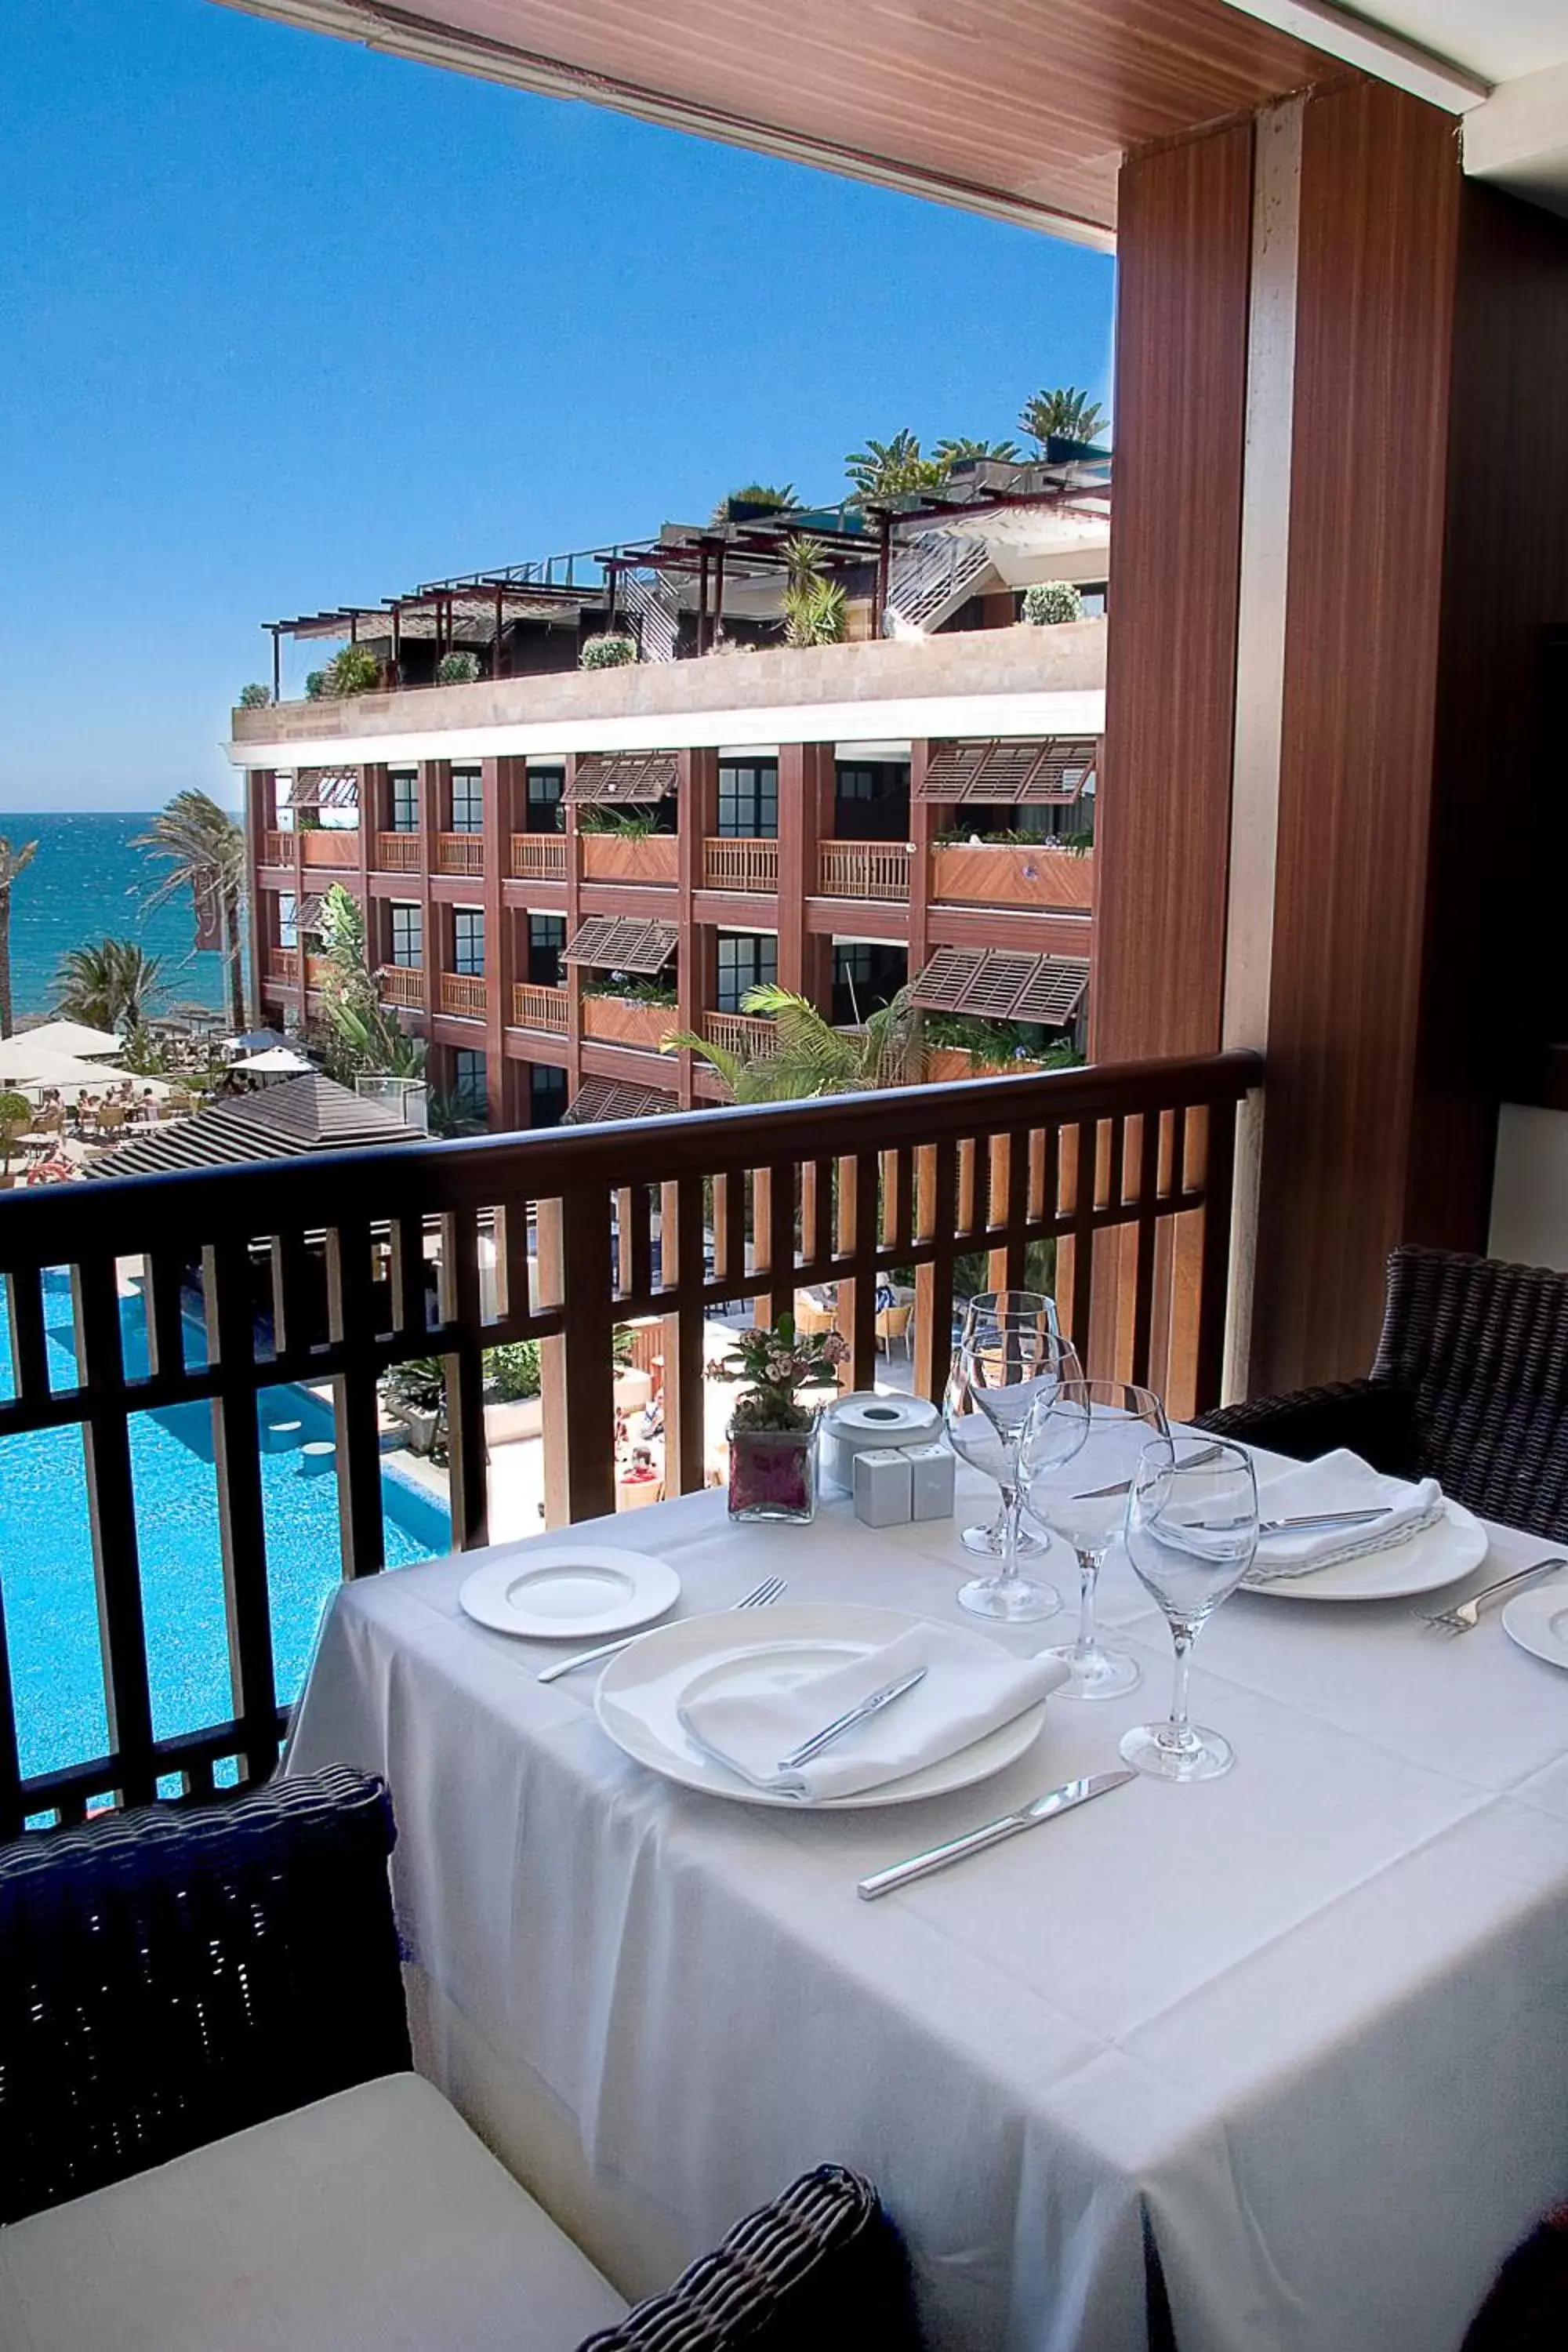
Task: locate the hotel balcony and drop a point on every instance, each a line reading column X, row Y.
column 399, row 853
column 276, row 848
column 464, row 995
column 461, row 854
column 338, row 847
column 539, row 856
column 740, row 864
column 652, row 857
column 1008, row 874
column 543, row 1009
column 402, row 984
column 863, row 869
column 626, row 1020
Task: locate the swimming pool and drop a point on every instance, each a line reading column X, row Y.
column 46, row 1555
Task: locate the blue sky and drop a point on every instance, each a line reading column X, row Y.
column 289, row 323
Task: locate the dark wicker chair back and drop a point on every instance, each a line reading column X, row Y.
column 169, row 1977
column 1480, row 1347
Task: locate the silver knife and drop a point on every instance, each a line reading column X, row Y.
column 1044, row 1809
column 1321, row 1519
column 878, row 1699
column 1198, row 1461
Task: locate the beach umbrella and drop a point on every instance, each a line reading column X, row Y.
column 276, row 1062
column 71, row 1037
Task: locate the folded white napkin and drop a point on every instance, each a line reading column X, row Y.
column 965, row 1695
column 1338, row 1482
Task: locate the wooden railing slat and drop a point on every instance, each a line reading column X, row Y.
column 355, row 1412
column 112, row 1512
column 247, row 1607
column 466, row 1470
column 29, row 1344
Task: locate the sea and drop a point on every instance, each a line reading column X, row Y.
column 87, row 883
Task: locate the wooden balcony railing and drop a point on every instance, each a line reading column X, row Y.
column 533, row 1007
column 315, row 970
column 741, row 1033
column 863, row 869
column 277, row 848
column 464, row 993
column 314, row 1271
column 539, row 856
column 1012, row 874
column 402, row 983
column 650, row 857
column 741, row 865
column 399, row 853
column 339, row 848
column 283, row 965
column 461, row 852
column 627, row 1021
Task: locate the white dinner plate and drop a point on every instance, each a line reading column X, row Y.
column 1438, row 1555
column 737, row 1650
column 570, row 1592
column 1538, row 1621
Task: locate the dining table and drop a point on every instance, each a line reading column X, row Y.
column 1273, row 2062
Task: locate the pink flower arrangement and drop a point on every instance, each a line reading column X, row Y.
column 775, row 1363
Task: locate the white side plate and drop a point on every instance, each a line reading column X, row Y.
column 569, row 1592
column 1538, row 1621
column 1439, row 1555
column 640, row 1694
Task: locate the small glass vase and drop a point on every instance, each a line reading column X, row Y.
column 772, row 1473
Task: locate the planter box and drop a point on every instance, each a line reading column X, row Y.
column 607, row 858
column 616, row 1020
column 1003, row 873
column 335, row 848
column 945, row 1063
column 521, row 1417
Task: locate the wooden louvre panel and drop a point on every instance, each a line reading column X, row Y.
column 1055, row 768
column 602, row 1098
column 307, row 915
column 1055, row 993
column 625, row 776
column 1001, row 984
column 621, row 943
column 325, row 788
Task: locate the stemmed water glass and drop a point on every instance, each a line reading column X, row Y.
column 1191, row 1532
column 988, row 1306
column 998, row 1373
column 1080, row 1451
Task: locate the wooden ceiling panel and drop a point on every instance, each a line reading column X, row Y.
column 1017, row 106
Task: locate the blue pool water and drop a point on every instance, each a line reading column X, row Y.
column 46, row 1555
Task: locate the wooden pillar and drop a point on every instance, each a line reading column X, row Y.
column 923, row 822
column 496, row 786
column 260, row 788
column 430, row 784
column 697, row 813
column 800, row 768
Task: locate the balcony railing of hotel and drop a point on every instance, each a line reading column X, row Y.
column 741, row 865
column 533, row 1007
column 277, row 847
column 399, row 853
column 1012, row 874
column 465, row 993
column 631, row 857
column 1126, row 1170
column 402, row 983
column 741, row 1033
column 863, row 869
column 539, row 856
column 339, row 848
column 316, row 969
column 461, row 852
column 283, row 964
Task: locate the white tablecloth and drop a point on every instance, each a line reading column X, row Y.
column 1304, row 2029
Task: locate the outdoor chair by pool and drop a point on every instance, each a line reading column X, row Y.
column 1469, row 1386
column 210, row 2136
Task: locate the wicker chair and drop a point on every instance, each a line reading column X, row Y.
column 202, row 2015
column 1469, row 1386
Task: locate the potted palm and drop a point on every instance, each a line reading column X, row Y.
column 16, row 1118
column 772, row 1435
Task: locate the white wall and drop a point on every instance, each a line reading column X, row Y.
column 1530, row 1192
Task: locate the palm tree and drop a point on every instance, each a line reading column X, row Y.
column 204, row 850
column 1064, row 415
column 12, row 861
column 885, row 469
column 807, row 1055
column 110, row 985
column 779, row 500
column 958, row 449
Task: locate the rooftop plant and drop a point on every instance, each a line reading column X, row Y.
column 611, row 651
column 886, row 469
column 1049, row 601
column 460, row 668
column 757, row 498
column 353, row 669
column 632, row 988
column 1062, row 414
column 814, row 607
column 626, row 825
column 254, row 698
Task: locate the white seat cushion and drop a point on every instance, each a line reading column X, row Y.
column 374, row 2221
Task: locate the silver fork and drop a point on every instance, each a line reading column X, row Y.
column 1466, row 1615
column 758, row 1598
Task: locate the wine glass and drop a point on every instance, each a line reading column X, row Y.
column 1191, row 1532
column 1080, row 1452
column 997, row 1374
column 1000, row 1307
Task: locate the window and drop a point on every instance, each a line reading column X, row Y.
column 468, row 801
column 867, row 974
column 403, row 783
column 546, row 938
column 471, row 1090
column 546, row 1094
column 288, row 919
column 746, row 958
column 545, row 786
column 749, row 799
column 871, row 800
column 407, row 935
column 468, row 940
